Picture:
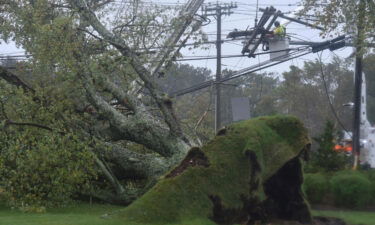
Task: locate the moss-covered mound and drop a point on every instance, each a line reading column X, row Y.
column 251, row 171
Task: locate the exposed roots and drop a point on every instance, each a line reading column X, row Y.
column 195, row 157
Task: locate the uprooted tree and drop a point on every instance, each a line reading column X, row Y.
column 250, row 172
column 90, row 92
column 91, row 76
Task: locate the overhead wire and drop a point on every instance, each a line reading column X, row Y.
column 196, row 58
column 209, row 51
column 236, row 56
column 334, row 112
column 256, row 14
column 246, row 71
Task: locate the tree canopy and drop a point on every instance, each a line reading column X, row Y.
column 91, row 73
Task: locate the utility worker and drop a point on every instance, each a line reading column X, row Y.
column 280, row 30
column 277, row 34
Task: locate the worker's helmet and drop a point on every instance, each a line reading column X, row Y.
column 277, row 23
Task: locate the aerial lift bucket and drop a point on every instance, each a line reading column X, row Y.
column 279, row 48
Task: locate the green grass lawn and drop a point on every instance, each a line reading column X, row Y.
column 85, row 214
column 351, row 217
column 80, row 214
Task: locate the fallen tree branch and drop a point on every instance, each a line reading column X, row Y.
column 122, row 97
column 205, row 113
column 145, row 75
column 13, row 79
column 141, row 165
column 109, row 175
column 137, row 128
column 9, row 122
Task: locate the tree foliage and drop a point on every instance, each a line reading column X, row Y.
column 95, row 71
column 89, row 86
column 41, row 165
column 325, row 158
column 342, row 17
column 309, row 91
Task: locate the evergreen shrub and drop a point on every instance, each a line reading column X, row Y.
column 315, row 186
column 351, row 190
column 370, row 174
column 325, row 159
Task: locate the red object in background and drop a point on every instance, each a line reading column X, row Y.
column 348, row 148
column 343, row 148
column 337, row 147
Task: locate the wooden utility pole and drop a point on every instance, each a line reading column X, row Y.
column 358, row 83
column 219, row 11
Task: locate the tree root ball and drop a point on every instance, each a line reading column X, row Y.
column 250, row 173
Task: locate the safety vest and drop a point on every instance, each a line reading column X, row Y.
column 280, row 31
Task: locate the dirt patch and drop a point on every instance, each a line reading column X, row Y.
column 319, row 220
column 285, row 199
column 255, row 169
column 330, row 207
column 195, row 157
column 222, row 132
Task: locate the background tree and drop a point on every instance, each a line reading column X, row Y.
column 357, row 19
column 195, row 109
column 325, row 158
column 341, row 17
column 308, row 92
column 262, row 90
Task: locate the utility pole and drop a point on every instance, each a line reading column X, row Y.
column 218, row 11
column 358, row 84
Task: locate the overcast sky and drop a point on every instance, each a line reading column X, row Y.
column 242, row 18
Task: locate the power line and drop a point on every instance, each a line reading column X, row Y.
column 327, row 95
column 15, row 56
column 246, row 71
column 233, row 56
column 190, row 58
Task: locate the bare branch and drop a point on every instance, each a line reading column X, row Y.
column 90, row 33
column 99, row 4
column 205, row 112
